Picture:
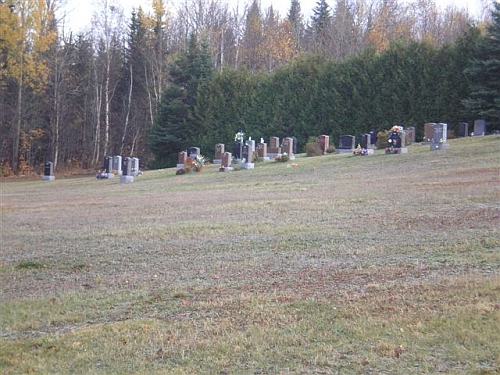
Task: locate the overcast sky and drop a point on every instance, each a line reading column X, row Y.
column 79, row 13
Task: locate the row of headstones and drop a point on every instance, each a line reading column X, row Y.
column 243, row 152
column 128, row 167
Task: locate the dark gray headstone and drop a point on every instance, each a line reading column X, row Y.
column 395, row 140
column 245, row 153
column 48, row 171
column 237, row 149
column 108, row 164
column 463, row 129
column 127, row 167
column 479, row 127
column 365, row 141
column 347, row 142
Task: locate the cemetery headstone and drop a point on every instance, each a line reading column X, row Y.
column 365, row 141
column 135, row 167
column 237, row 146
column 396, row 141
column 193, row 152
column 479, row 127
column 262, row 151
column 463, row 129
column 410, row 135
column 324, row 143
column 117, row 165
column 295, row 145
column 440, row 132
column 48, row 171
column 273, row 149
column 226, row 162
column 347, row 143
column 219, row 150
column 251, row 146
column 373, row 138
column 126, row 171
column 181, row 159
column 287, row 147
column 428, row 131
column 108, row 167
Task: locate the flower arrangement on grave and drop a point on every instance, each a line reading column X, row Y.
column 358, row 151
column 239, row 136
column 198, row 162
column 282, row 157
column 391, row 147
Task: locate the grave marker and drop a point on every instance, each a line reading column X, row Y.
column 181, row 159
column 226, row 162
column 48, row 172
column 323, row 142
column 287, row 148
column 135, row 167
column 438, row 141
column 262, row 151
column 126, row 171
column 108, row 167
column 219, row 150
column 479, row 127
column 117, row 165
column 463, row 129
column 347, row 143
column 274, row 147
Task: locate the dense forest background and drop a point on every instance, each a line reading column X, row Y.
column 150, row 84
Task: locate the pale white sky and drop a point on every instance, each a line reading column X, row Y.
column 79, row 13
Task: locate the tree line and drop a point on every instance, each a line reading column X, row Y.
column 153, row 83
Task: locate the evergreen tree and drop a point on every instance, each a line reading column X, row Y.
column 177, row 124
column 297, row 24
column 484, row 71
column 319, row 31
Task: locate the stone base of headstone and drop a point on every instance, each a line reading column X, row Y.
column 247, row 166
column 439, row 146
column 264, row 158
column 217, row 161
column 226, row 169
column 271, row 156
column 345, row 151
column 110, row 175
column 48, row 178
column 126, row 179
column 371, row 151
column 179, row 166
column 291, row 157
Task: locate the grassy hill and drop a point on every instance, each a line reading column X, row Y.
column 334, row 264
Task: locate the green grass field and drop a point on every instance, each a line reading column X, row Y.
column 382, row 264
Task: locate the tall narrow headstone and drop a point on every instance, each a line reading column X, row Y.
column 479, row 127
column 126, row 171
column 287, row 147
column 463, row 129
column 108, row 167
column 181, row 159
column 273, row 148
column 365, row 141
column 48, row 172
column 237, row 146
column 324, row 143
column 219, row 150
column 135, row 167
column 117, row 165
column 410, row 135
column 226, row 159
column 429, row 131
column 262, row 151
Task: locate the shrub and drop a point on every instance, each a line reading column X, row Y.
column 382, row 139
column 313, row 149
column 331, row 150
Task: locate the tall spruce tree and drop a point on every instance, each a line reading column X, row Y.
column 484, row 71
column 176, row 125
